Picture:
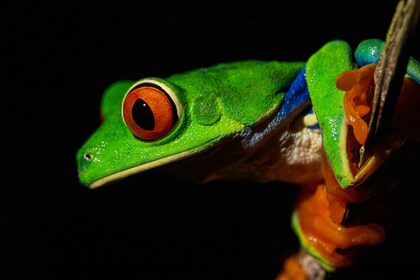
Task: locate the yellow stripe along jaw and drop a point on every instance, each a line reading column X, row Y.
column 137, row 169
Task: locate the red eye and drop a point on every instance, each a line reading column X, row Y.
column 149, row 112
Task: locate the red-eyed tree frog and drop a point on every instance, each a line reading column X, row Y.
column 257, row 120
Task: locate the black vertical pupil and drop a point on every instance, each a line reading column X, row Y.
column 143, row 115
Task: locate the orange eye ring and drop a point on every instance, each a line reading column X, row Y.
column 149, row 112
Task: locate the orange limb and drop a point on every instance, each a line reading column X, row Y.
column 325, row 236
column 321, row 212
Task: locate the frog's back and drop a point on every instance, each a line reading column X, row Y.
column 246, row 90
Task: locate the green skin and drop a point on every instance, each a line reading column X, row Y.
column 222, row 110
column 220, row 105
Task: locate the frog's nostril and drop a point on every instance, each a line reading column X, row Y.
column 88, row 156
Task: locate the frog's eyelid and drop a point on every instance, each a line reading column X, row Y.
column 162, row 86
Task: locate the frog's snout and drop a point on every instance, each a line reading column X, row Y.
column 84, row 159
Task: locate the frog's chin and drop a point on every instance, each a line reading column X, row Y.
column 137, row 169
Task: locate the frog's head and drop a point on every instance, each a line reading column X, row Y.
column 146, row 125
column 156, row 121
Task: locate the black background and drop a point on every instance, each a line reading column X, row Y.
column 60, row 57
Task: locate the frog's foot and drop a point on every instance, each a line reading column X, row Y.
column 332, row 244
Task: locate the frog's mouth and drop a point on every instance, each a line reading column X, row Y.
column 138, row 169
column 100, row 181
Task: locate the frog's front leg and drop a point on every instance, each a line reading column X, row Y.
column 331, row 236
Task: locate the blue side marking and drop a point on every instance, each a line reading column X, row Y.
column 295, row 100
column 296, row 97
